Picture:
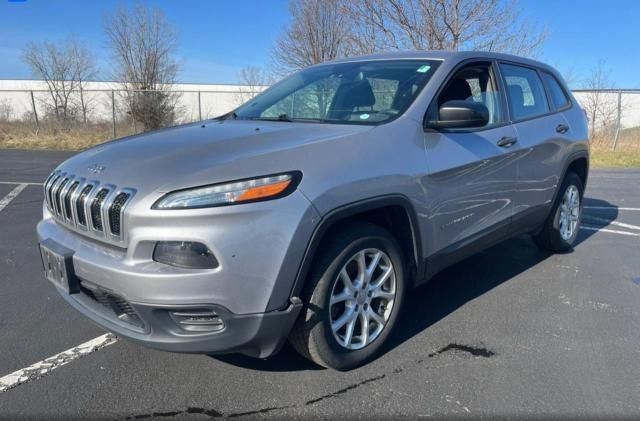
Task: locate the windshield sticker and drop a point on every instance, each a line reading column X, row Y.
column 364, row 116
column 423, row 69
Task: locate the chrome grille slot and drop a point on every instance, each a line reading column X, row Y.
column 68, row 214
column 80, row 205
column 115, row 212
column 96, row 209
column 56, row 195
column 90, row 207
column 50, row 191
column 47, row 185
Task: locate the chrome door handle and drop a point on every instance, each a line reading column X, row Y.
column 562, row 128
column 507, row 141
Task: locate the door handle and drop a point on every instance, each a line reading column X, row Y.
column 562, row 128
column 507, row 141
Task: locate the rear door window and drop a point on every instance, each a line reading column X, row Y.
column 525, row 92
column 558, row 96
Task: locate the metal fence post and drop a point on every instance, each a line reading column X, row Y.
column 113, row 111
column 84, row 108
column 35, row 112
column 618, row 121
column 199, row 107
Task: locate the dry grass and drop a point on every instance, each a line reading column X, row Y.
column 20, row 135
column 626, row 154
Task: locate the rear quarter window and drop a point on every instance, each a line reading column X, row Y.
column 525, row 92
column 558, row 95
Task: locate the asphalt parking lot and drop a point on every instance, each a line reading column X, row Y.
column 511, row 331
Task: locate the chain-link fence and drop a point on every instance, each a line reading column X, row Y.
column 613, row 116
column 75, row 120
column 110, row 113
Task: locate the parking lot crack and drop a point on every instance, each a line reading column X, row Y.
column 258, row 411
column 346, row 389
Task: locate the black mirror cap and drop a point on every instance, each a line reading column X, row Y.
column 460, row 114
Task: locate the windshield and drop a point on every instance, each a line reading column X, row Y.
column 371, row 92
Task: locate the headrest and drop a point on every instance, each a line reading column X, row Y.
column 516, row 94
column 458, row 89
column 358, row 94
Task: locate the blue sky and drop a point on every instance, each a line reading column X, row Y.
column 219, row 37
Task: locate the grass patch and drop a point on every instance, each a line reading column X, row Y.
column 603, row 158
column 22, row 135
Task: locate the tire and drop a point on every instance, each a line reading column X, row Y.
column 552, row 237
column 312, row 335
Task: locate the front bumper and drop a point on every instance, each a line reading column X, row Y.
column 257, row 335
column 258, row 245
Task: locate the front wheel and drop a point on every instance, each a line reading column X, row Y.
column 352, row 298
column 561, row 228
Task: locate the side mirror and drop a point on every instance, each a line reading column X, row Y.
column 459, row 114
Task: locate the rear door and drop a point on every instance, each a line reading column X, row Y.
column 542, row 134
column 469, row 187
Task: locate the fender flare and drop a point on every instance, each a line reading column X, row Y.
column 583, row 153
column 334, row 216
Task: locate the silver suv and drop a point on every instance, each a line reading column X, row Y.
column 309, row 212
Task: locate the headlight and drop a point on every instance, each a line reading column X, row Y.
column 241, row 191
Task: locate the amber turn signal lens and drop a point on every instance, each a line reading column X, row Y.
column 260, row 192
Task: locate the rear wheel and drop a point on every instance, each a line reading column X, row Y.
column 352, row 298
column 561, row 227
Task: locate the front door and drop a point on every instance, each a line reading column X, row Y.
column 471, row 172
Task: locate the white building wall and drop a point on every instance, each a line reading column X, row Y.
column 214, row 99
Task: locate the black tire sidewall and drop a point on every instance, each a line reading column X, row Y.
column 571, row 179
column 330, row 351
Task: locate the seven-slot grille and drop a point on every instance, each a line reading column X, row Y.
column 87, row 205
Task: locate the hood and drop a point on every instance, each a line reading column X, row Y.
column 195, row 154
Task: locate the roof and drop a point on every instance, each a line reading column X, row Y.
column 443, row 55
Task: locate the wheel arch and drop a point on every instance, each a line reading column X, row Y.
column 375, row 210
column 577, row 162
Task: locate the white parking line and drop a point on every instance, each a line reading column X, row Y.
column 611, row 208
column 44, row 367
column 588, row 228
column 12, row 195
column 612, row 222
column 21, row 182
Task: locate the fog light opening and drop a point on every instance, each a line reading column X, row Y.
column 198, row 320
column 184, row 254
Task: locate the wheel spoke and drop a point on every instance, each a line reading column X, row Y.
column 345, row 295
column 385, row 295
column 346, row 317
column 376, row 317
column 364, row 328
column 348, row 335
column 381, row 279
column 362, row 268
column 348, row 284
column 373, row 265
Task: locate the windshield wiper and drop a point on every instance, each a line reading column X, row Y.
column 281, row 117
column 230, row 115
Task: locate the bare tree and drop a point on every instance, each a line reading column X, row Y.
column 318, row 33
column 489, row 25
column 253, row 79
column 143, row 43
column 84, row 69
column 601, row 107
column 323, row 30
column 6, row 110
column 64, row 68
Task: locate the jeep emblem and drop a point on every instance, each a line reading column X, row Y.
column 96, row 169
